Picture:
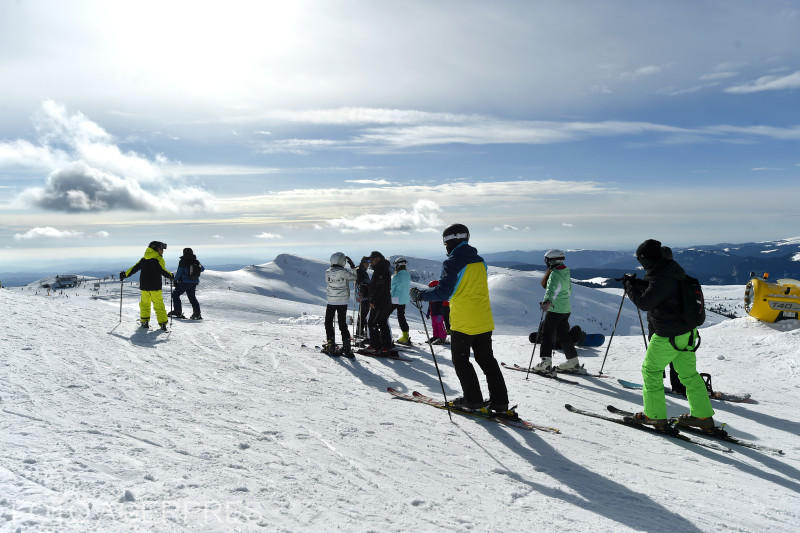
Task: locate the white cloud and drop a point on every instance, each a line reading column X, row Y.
column 718, row 76
column 89, row 173
column 768, row 83
column 49, row 232
column 423, row 217
column 80, row 188
column 268, row 236
column 567, row 225
column 647, row 70
column 370, row 182
column 763, row 169
column 506, row 227
column 217, row 237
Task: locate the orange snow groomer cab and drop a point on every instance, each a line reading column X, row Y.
column 772, row 301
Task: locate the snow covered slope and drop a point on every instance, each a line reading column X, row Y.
column 237, row 423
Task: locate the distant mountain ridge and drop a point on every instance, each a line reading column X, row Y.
column 716, row 264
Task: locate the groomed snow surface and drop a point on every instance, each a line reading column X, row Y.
column 237, row 423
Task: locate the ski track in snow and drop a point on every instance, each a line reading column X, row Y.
column 231, row 424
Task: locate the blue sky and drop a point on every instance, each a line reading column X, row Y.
column 256, row 128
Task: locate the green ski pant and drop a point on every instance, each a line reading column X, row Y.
column 660, row 353
column 155, row 298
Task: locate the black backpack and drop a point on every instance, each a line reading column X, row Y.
column 692, row 310
column 194, row 270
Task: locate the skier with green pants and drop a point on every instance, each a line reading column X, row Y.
column 673, row 340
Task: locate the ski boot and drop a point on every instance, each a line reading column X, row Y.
column 329, row 348
column 194, row 317
column 706, row 425
column 163, row 326
column 569, row 365
column 659, row 424
column 346, row 351
column 144, row 324
column 404, row 340
column 175, row 314
column 464, row 405
column 545, row 366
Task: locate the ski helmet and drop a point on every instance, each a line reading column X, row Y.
column 400, row 261
column 338, row 259
column 554, row 257
column 455, row 231
column 155, row 245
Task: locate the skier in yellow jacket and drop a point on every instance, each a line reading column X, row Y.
column 153, row 268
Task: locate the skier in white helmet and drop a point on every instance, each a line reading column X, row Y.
column 338, row 279
column 556, row 306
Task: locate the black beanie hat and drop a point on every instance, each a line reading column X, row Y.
column 375, row 254
column 187, row 252
column 649, row 249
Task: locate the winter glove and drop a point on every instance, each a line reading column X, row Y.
column 415, row 294
column 545, row 305
column 122, row 275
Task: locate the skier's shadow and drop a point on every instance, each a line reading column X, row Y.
column 142, row 337
column 408, row 371
column 593, row 492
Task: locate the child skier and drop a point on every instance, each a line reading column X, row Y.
column 338, row 279
column 556, row 307
column 401, row 283
column 152, row 267
column 436, row 314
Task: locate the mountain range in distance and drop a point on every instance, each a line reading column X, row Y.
column 716, row 264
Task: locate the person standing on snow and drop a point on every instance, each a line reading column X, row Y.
column 187, row 277
column 362, row 298
column 153, row 268
column 380, row 303
column 337, row 279
column 436, row 314
column 672, row 341
column 556, row 306
column 401, row 283
column 464, row 281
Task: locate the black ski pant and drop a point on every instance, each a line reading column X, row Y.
column 446, row 315
column 401, row 316
column 189, row 289
column 556, row 327
column 380, row 336
column 363, row 314
column 341, row 311
column 481, row 346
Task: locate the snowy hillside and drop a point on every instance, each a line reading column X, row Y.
column 237, row 423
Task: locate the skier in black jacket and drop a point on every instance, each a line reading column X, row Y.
column 152, row 269
column 362, row 296
column 380, row 303
column 672, row 340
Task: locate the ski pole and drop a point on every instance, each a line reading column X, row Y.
column 538, row 332
column 641, row 324
column 170, row 303
column 430, row 345
column 121, row 282
column 613, row 331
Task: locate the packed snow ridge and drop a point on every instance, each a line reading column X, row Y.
column 238, row 423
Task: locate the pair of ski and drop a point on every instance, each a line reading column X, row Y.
column 674, row 432
column 513, row 422
column 715, row 395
